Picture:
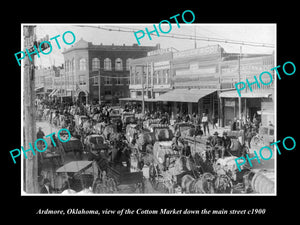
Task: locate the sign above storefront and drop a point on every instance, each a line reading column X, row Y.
column 213, row 49
column 159, row 51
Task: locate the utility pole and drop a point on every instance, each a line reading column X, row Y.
column 195, row 42
column 240, row 99
column 31, row 163
column 143, row 97
column 99, row 85
column 61, row 87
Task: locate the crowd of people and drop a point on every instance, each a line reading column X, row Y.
column 203, row 124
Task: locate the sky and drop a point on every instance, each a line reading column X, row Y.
column 260, row 33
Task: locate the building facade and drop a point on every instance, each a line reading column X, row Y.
column 195, row 81
column 202, row 80
column 87, row 65
column 49, row 82
column 150, row 77
column 255, row 102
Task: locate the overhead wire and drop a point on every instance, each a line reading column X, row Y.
column 184, row 36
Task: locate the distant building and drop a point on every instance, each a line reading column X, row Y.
column 151, row 75
column 84, row 61
column 49, row 81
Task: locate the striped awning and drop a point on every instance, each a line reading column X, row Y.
column 52, row 92
column 184, row 95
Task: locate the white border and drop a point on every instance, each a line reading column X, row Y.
column 23, row 193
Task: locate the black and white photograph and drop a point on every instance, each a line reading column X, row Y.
column 128, row 109
column 120, row 111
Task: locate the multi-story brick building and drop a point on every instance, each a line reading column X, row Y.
column 84, row 62
column 151, row 75
column 202, row 80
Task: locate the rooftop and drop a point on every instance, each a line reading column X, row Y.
column 82, row 44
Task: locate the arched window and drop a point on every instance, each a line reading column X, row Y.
column 95, row 64
column 66, row 66
column 118, row 64
column 73, row 64
column 128, row 63
column 82, row 64
column 107, row 64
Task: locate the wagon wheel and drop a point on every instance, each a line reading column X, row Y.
column 256, row 140
column 141, row 187
column 245, row 150
column 99, row 187
column 111, row 185
column 161, row 187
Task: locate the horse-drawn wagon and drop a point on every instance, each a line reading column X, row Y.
column 264, row 137
column 76, row 176
column 116, row 175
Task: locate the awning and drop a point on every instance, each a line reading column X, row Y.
column 75, row 166
column 138, row 99
column 234, row 94
column 39, row 88
column 52, row 92
column 184, row 95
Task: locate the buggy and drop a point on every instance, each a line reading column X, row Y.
column 264, row 137
column 78, row 175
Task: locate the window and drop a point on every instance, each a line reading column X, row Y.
column 107, row 80
column 96, row 80
column 107, row 92
column 118, row 81
column 82, row 64
column 95, row 64
column 67, row 66
column 137, row 78
column 166, row 72
column 73, row 65
column 107, row 64
column 119, row 94
column 160, row 77
column 127, row 63
column 118, row 64
column 155, row 77
column 82, row 80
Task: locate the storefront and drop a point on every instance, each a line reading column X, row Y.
column 189, row 101
column 259, row 104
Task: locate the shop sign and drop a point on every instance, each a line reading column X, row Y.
column 229, row 103
column 159, row 51
column 198, row 51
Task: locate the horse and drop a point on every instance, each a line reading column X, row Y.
column 87, row 126
column 145, row 139
column 108, row 130
column 202, row 185
column 99, row 127
column 223, row 184
column 203, row 162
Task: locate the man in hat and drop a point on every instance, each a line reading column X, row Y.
column 205, row 123
column 176, row 142
column 226, row 143
column 217, row 145
column 47, row 188
column 40, row 133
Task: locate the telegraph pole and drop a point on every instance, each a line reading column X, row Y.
column 240, row 99
column 143, row 97
column 31, row 163
column 99, row 85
